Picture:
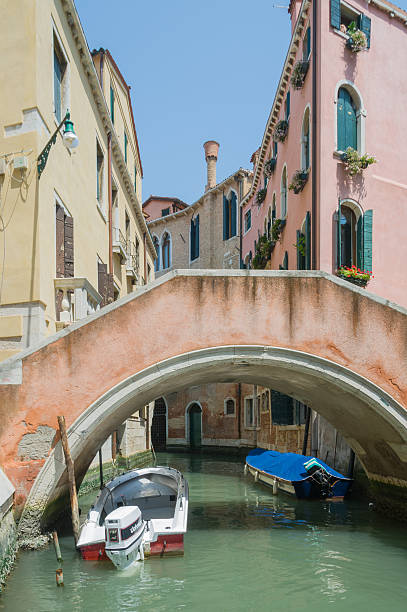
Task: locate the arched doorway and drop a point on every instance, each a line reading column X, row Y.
column 159, row 425
column 195, row 425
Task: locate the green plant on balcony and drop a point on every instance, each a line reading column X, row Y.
column 355, row 163
column 261, row 196
column 299, row 73
column 276, row 229
column 280, row 131
column 262, row 255
column 357, row 40
column 301, row 245
column 298, row 181
column 354, row 275
column 269, row 166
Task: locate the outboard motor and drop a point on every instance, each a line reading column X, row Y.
column 320, row 476
column 124, row 534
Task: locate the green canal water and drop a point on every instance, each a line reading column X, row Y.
column 244, row 550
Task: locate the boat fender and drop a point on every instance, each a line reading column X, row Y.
column 275, row 487
column 256, row 476
column 141, row 551
column 245, row 469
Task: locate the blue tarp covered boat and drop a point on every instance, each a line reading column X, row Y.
column 287, row 471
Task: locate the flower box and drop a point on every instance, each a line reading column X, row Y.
column 281, row 131
column 357, row 41
column 299, row 180
column 261, row 196
column 270, row 166
column 355, row 163
column 299, row 73
column 354, row 275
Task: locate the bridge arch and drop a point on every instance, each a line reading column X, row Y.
column 346, row 399
column 332, row 346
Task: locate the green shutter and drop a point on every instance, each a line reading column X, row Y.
column 275, row 149
column 308, row 241
column 57, row 87
column 336, row 14
column 287, row 105
column 338, row 237
column 365, row 26
column 346, row 121
column 308, row 41
column 225, row 218
column 359, row 243
column 112, row 104
column 135, row 178
column 192, row 240
column 285, row 261
column 299, row 267
column 125, row 147
column 197, row 236
column 233, row 207
column 367, row 240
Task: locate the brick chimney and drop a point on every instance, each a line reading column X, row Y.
column 294, row 10
column 211, row 155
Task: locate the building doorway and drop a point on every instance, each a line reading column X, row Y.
column 159, row 425
column 195, row 425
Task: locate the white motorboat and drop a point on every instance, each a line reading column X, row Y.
column 125, row 529
column 160, row 493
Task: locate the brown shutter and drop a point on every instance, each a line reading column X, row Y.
column 59, row 242
column 102, row 282
column 68, row 245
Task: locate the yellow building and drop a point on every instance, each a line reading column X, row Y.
column 72, row 234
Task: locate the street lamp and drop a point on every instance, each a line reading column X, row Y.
column 69, row 139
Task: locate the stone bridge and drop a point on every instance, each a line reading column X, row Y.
column 310, row 335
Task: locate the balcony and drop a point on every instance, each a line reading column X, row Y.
column 75, row 299
column 119, row 244
column 132, row 261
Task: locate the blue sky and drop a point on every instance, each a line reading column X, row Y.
column 198, row 71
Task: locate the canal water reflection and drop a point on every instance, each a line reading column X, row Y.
column 244, row 550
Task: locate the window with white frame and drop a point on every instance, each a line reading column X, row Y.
column 305, row 141
column 252, row 416
column 61, row 80
column 247, row 220
column 99, row 174
column 229, row 407
column 284, row 193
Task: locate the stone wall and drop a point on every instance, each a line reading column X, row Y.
column 8, row 531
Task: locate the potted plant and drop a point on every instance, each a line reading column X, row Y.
column 354, row 275
column 357, row 40
column 280, row 131
column 299, row 73
column 264, row 248
column 298, row 181
column 355, row 163
column 261, row 196
column 269, row 166
column 276, row 228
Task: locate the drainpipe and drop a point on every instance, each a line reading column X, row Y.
column 145, row 257
column 314, row 260
column 109, row 188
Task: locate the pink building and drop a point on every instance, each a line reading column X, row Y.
column 342, row 90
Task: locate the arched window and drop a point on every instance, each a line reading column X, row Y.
column 269, row 222
column 229, row 216
column 284, row 193
column 166, row 251
column 229, row 407
column 354, row 235
column 157, row 250
column 347, row 129
column 273, row 208
column 194, row 238
column 305, row 144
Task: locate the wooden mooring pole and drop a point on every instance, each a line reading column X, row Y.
column 71, row 478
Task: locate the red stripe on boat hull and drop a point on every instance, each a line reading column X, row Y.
column 168, row 545
column 94, row 552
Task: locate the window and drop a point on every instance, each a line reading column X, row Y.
column 247, row 220
column 99, row 173
column 229, row 216
column 125, row 146
column 343, row 15
column 60, row 80
column 64, row 249
column 157, row 250
column 166, row 251
column 268, row 226
column 354, row 236
column 112, row 104
column 229, row 407
column 304, row 241
column 305, row 144
column 282, row 409
column 273, row 209
column 306, row 44
column 135, row 179
column 284, row 193
column 165, row 212
column 194, row 238
column 287, row 105
column 284, row 265
column 251, row 418
column 346, row 121
column 265, row 401
column 275, row 149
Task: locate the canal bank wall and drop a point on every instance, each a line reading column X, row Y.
column 8, row 529
column 112, row 468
